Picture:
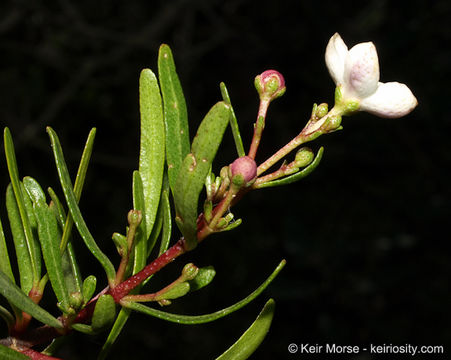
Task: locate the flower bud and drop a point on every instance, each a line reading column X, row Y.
column 189, row 271
column 304, row 157
column 134, row 217
column 321, row 110
column 244, row 166
column 332, row 123
column 270, row 84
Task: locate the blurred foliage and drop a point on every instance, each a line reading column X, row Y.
column 365, row 236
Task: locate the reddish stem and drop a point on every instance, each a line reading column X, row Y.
column 35, row 355
column 128, row 285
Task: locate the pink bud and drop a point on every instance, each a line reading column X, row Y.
column 244, row 166
column 270, row 83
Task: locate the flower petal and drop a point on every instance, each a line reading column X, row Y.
column 391, row 100
column 336, row 53
column 361, row 72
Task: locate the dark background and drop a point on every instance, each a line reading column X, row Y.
column 365, row 236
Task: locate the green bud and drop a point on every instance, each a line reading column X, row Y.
column 75, row 300
column 304, row 157
column 189, row 271
column 134, row 217
column 321, row 110
column 333, row 123
column 238, row 180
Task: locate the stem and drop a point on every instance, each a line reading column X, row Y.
column 35, row 355
column 128, row 285
column 293, row 144
column 133, row 226
column 217, row 213
column 283, row 171
column 258, row 127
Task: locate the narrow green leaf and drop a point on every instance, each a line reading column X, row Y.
column 49, row 236
column 14, row 175
column 114, row 333
column 71, row 269
column 252, row 337
column 196, row 167
column 141, row 236
column 84, row 329
column 5, row 264
column 7, row 316
column 297, row 176
column 175, row 114
column 233, row 122
column 7, row 353
column 203, row 278
column 104, row 313
column 78, row 186
column 16, row 296
column 20, row 244
column 167, row 221
column 200, row 319
column 152, row 146
column 71, row 199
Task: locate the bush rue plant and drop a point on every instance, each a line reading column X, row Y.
column 172, row 172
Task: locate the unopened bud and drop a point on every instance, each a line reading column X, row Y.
column 244, row 166
column 189, row 271
column 270, row 84
column 332, row 123
column 134, row 217
column 304, row 157
column 321, row 110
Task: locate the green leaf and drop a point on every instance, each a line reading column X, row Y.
column 71, row 200
column 89, row 287
column 297, row 176
column 20, row 244
column 195, row 169
column 34, row 253
column 204, row 277
column 78, row 186
column 84, row 329
column 152, row 148
column 140, row 241
column 104, row 313
column 49, row 236
column 71, row 271
column 233, row 122
column 167, row 220
column 5, row 264
column 175, row 114
column 7, row 353
column 252, row 337
column 178, row 290
column 7, row 316
column 16, row 296
column 200, row 319
column 114, row 333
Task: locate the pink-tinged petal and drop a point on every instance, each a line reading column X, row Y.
column 391, row 100
column 361, row 72
column 336, row 53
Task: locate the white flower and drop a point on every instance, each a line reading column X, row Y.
column 356, row 72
